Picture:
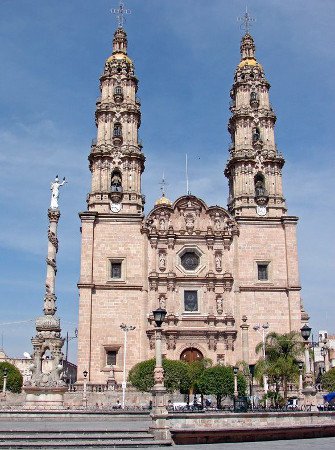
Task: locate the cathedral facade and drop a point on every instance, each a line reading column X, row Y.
column 219, row 272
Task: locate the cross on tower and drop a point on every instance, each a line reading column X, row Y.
column 246, row 19
column 163, row 184
column 120, row 13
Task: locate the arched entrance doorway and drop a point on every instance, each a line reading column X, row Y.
column 191, row 354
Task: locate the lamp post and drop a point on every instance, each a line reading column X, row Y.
column 324, row 353
column 159, row 413
column 125, row 328
column 301, row 366
column 159, row 316
column 252, row 373
column 235, row 369
column 263, row 330
column 67, row 339
column 5, row 373
column 305, row 333
column 85, row 373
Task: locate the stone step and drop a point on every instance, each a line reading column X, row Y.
column 82, row 443
column 66, row 435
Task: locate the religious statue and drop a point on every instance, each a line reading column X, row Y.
column 218, row 261
column 219, row 304
column 116, row 182
column 162, row 224
column 54, row 187
column 162, row 301
column 259, row 189
column 162, row 261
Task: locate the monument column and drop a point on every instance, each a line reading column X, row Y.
column 46, row 388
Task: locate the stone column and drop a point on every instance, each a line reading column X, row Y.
column 46, row 388
column 159, row 415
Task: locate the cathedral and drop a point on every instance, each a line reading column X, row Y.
column 223, row 274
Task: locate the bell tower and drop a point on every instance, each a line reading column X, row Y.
column 112, row 275
column 116, row 158
column 254, row 169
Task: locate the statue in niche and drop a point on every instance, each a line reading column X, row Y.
column 189, row 222
column 256, row 135
column 162, row 224
column 162, row 301
column 218, row 261
column 259, row 188
column 116, row 181
column 162, row 261
column 219, row 304
column 217, row 223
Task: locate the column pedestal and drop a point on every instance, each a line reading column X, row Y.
column 159, row 415
column 38, row 398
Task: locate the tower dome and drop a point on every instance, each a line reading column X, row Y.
column 163, row 201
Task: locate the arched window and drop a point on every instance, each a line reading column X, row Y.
column 260, row 185
column 256, row 135
column 118, row 90
column 253, row 96
column 116, row 181
column 117, row 131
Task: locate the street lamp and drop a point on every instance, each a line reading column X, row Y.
column 252, row 373
column 67, row 339
column 305, row 333
column 158, row 389
column 235, row 369
column 5, row 373
column 301, row 366
column 263, row 333
column 159, row 316
column 125, row 328
column 85, row 373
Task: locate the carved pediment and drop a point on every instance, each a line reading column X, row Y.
column 190, row 215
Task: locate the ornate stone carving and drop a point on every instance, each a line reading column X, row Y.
column 159, row 375
column 219, row 304
column 162, row 260
column 218, row 261
column 53, row 239
column 171, row 341
column 162, row 301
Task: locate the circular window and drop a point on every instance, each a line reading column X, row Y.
column 190, row 260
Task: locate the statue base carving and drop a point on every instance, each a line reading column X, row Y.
column 44, row 398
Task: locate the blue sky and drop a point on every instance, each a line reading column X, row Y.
column 185, row 54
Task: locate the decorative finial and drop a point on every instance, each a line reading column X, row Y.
column 120, row 13
column 163, row 184
column 247, row 20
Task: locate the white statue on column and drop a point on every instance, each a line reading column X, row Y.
column 54, row 187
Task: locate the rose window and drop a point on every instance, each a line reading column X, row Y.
column 190, row 260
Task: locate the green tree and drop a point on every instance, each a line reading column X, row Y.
column 14, row 377
column 176, row 375
column 280, row 365
column 195, row 370
column 219, row 381
column 328, row 380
